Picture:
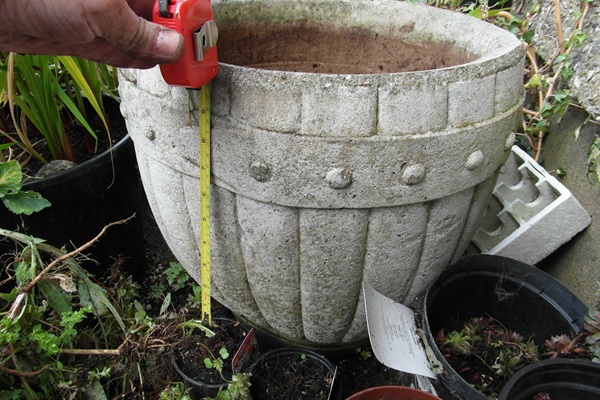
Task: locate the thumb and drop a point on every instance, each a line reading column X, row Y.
column 143, row 39
column 168, row 44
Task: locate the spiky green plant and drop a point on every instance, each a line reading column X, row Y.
column 42, row 95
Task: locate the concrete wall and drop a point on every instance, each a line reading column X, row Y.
column 577, row 263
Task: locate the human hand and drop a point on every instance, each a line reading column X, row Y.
column 115, row 32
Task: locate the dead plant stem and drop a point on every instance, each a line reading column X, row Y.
column 559, row 29
column 92, row 352
column 71, row 254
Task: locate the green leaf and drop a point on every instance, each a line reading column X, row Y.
column 535, row 81
column 92, row 295
column 198, row 324
column 16, row 200
column 95, row 391
column 75, row 111
column 84, row 85
column 26, row 202
column 562, row 57
column 58, row 299
column 140, row 315
column 165, row 305
column 10, row 177
column 528, row 36
column 224, row 353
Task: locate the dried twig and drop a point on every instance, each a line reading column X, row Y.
column 23, row 374
column 559, row 29
column 92, row 352
column 71, row 254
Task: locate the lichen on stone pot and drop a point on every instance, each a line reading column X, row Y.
column 351, row 141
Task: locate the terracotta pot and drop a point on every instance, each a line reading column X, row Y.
column 392, row 393
column 325, row 176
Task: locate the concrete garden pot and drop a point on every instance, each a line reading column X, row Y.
column 351, row 140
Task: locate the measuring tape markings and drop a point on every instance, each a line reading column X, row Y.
column 204, row 127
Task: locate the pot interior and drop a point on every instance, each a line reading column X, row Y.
column 302, row 46
column 521, row 297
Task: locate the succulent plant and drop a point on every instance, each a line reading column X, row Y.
column 564, row 346
column 486, row 353
column 592, row 326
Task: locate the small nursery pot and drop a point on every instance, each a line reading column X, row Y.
column 561, row 379
column 198, row 388
column 392, row 393
column 521, row 297
column 282, row 358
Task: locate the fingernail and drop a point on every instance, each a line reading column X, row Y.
column 168, row 43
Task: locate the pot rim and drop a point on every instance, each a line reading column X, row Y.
column 499, row 47
column 413, row 392
column 336, row 384
column 81, row 169
column 556, row 367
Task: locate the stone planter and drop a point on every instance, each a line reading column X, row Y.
column 351, row 140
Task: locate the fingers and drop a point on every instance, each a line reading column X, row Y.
column 120, row 26
column 98, row 50
column 110, row 31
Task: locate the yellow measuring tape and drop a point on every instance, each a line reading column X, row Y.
column 204, row 126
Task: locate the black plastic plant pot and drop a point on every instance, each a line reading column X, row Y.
column 227, row 331
column 294, row 373
column 521, row 297
column 560, row 379
column 197, row 389
column 87, row 197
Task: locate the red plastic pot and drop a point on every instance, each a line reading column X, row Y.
column 392, row 393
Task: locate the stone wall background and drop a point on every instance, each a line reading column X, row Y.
column 585, row 82
column 577, row 263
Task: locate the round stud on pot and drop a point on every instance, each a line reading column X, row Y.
column 339, row 178
column 260, row 171
column 413, row 174
column 475, row 160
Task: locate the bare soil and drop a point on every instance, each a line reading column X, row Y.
column 291, row 376
column 301, row 47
